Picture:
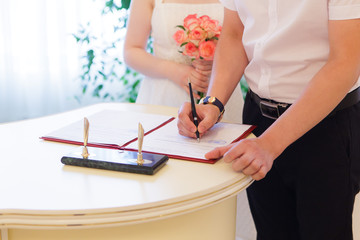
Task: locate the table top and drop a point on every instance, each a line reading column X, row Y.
column 38, row 191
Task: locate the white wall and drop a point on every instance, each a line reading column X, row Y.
column 39, row 57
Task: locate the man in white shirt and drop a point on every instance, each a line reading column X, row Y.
column 301, row 60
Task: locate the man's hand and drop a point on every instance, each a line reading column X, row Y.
column 251, row 156
column 207, row 115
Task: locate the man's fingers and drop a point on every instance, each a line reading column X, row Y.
column 187, row 133
column 207, row 121
column 260, row 174
column 234, row 153
column 252, row 168
column 185, row 125
column 248, row 157
column 206, row 115
column 255, row 168
column 217, row 152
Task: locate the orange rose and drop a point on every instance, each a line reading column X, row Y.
column 180, row 37
column 207, row 50
column 191, row 50
column 191, row 22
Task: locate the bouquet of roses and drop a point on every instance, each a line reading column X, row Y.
column 197, row 37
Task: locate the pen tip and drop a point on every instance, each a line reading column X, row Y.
column 198, row 139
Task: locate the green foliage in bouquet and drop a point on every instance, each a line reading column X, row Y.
column 102, row 66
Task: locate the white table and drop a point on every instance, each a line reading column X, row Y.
column 43, row 199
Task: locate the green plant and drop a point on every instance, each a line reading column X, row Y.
column 104, row 74
column 244, row 86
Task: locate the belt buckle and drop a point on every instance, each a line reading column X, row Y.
column 269, row 109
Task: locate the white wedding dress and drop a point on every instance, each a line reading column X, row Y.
column 164, row 92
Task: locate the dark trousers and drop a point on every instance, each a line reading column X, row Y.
column 309, row 192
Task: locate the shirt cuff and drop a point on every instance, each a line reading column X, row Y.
column 344, row 12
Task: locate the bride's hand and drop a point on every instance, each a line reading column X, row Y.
column 199, row 80
column 203, row 66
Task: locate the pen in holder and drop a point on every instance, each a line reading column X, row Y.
column 140, row 159
column 113, row 159
column 85, row 152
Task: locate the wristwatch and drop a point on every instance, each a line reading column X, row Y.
column 216, row 102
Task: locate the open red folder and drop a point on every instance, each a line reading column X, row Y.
column 118, row 130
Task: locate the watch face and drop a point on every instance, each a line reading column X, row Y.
column 211, row 99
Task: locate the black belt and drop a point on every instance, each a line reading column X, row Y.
column 272, row 109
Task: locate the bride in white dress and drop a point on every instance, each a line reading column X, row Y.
column 167, row 71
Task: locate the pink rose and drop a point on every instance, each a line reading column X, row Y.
column 211, row 26
column 180, row 37
column 197, row 34
column 191, row 50
column 207, row 50
column 203, row 19
column 191, row 22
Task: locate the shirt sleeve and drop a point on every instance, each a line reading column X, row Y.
column 230, row 4
column 344, row 9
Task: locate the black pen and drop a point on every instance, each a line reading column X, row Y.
column 193, row 110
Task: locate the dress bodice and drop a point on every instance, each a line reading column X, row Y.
column 165, row 18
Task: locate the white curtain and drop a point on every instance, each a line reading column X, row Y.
column 39, row 57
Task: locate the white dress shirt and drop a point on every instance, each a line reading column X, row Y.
column 286, row 41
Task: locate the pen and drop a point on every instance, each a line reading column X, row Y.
column 193, row 110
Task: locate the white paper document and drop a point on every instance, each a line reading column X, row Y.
column 119, row 130
column 166, row 140
column 110, row 127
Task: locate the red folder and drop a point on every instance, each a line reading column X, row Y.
column 72, row 134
